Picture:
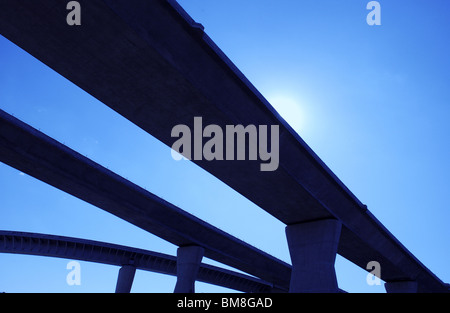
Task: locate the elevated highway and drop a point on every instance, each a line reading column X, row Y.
column 42, row 157
column 107, row 253
column 150, row 62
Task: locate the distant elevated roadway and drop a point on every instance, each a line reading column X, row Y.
column 107, row 253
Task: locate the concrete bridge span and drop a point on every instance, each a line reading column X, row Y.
column 112, row 254
column 150, row 62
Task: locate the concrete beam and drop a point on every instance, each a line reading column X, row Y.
column 188, row 264
column 402, row 287
column 125, row 279
column 313, row 247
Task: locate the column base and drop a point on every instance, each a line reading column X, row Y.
column 188, row 264
column 125, row 279
column 313, row 248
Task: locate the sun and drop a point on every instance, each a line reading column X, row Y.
column 290, row 109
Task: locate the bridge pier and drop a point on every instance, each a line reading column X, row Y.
column 188, row 264
column 313, row 247
column 125, row 279
column 401, row 287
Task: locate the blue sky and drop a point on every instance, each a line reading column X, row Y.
column 372, row 101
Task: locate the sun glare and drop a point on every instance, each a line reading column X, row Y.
column 290, row 110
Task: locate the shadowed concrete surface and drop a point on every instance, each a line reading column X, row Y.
column 152, row 64
column 188, row 263
column 313, row 247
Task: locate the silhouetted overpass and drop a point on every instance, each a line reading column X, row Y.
column 151, row 63
column 107, row 253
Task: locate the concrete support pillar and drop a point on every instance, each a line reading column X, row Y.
column 188, row 264
column 401, row 287
column 313, row 247
column 125, row 279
